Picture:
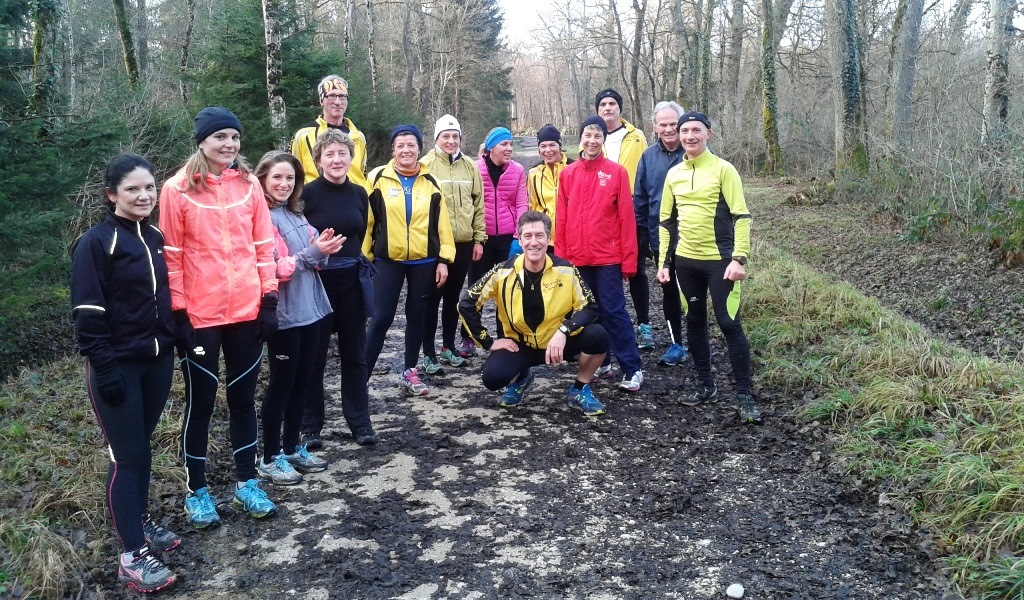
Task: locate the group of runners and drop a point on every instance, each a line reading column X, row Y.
column 309, row 244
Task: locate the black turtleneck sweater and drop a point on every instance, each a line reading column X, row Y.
column 343, row 207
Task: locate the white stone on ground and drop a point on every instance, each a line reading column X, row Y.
column 734, row 591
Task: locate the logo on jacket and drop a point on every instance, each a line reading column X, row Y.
column 603, row 178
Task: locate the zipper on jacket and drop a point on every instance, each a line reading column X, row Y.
column 152, row 278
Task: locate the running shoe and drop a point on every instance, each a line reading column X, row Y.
column 645, row 337
column 311, row 440
column 748, row 409
column 673, row 357
column 158, row 537
column 201, row 509
column 467, row 348
column 143, row 572
column 305, row 462
column 411, row 384
column 516, row 391
column 633, row 382
column 366, row 437
column 583, row 399
column 451, row 358
column 703, row 394
column 429, row 366
column 279, row 472
column 252, row 499
column 605, row 372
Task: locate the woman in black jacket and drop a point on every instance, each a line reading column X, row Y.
column 121, row 305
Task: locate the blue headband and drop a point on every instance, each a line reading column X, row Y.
column 497, row 136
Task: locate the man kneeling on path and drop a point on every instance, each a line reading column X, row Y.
column 547, row 314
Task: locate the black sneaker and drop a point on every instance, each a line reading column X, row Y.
column 158, row 537
column 703, row 394
column 144, row 572
column 311, row 440
column 366, row 438
column 747, row 409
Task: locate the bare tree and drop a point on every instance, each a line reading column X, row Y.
column 640, row 10
column 851, row 142
column 350, row 19
column 733, row 58
column 372, row 53
column 131, row 63
column 142, row 37
column 45, row 55
column 906, row 29
column 186, row 49
column 704, row 83
column 275, row 101
column 769, row 100
column 407, row 51
column 997, row 91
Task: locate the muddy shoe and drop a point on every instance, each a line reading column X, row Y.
column 467, row 348
column 429, row 366
column 673, row 357
column 515, row 393
column 604, row 372
column 305, row 462
column 583, row 399
column 451, row 358
column 279, row 471
column 645, row 337
column 158, row 537
column 201, row 509
column 143, row 572
column 748, row 409
column 411, row 384
column 252, row 499
column 311, row 440
column 703, row 394
column 366, row 437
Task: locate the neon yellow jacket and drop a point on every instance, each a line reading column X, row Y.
column 703, row 212
column 305, row 139
column 426, row 233
column 542, row 186
column 463, row 192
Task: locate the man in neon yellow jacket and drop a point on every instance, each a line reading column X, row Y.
column 332, row 93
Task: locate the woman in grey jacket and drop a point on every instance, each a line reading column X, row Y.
column 302, row 310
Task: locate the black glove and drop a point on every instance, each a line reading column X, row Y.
column 108, row 382
column 266, row 320
column 643, row 245
column 184, row 335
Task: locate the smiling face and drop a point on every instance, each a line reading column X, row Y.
column 694, row 136
column 221, row 148
column 534, row 239
column 550, row 152
column 609, row 110
column 280, row 182
column 591, row 142
column 135, row 196
column 502, row 153
column 449, row 142
column 406, row 151
column 665, row 128
column 335, row 161
column 335, row 103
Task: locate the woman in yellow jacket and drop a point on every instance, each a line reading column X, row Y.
column 542, row 181
column 409, row 238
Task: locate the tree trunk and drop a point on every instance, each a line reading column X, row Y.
column 906, row 31
column 131, row 64
column 275, row 101
column 142, row 37
column 350, row 16
column 371, row 52
column 734, row 57
column 851, row 144
column 958, row 24
column 679, row 35
column 769, row 101
column 997, row 89
column 704, row 85
column 640, row 8
column 407, row 51
column 45, row 52
column 186, row 47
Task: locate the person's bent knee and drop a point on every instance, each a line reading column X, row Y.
column 594, row 340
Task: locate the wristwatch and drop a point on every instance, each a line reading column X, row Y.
column 564, row 329
column 740, row 259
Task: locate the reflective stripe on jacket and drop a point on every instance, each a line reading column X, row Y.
column 392, row 234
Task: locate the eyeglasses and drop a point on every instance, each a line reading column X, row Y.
column 336, row 96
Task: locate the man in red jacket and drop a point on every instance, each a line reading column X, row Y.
column 595, row 229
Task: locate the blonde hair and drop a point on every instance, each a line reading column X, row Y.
column 263, row 167
column 197, row 168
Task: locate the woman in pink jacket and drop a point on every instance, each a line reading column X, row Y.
column 505, row 200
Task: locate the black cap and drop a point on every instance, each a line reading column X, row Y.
column 212, row 119
column 594, row 120
column 549, row 133
column 694, row 115
column 608, row 93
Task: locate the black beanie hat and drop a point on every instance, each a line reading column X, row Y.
column 608, row 93
column 407, row 129
column 549, row 133
column 594, row 120
column 694, row 115
column 212, row 119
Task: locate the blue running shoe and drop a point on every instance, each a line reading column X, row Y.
column 584, row 400
column 516, row 391
column 253, row 500
column 201, row 509
column 673, row 357
column 645, row 337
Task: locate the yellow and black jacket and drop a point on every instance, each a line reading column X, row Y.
column 305, row 139
column 391, row 234
column 567, row 301
column 542, row 186
column 703, row 212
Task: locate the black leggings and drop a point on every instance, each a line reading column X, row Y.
column 243, row 352
column 640, row 289
column 696, row 279
column 671, row 305
column 349, row 321
column 503, row 366
column 292, row 354
column 127, row 429
column 450, row 292
column 387, row 287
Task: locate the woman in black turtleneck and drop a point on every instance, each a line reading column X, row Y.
column 333, row 201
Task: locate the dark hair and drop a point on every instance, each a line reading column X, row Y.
column 534, row 216
column 120, row 166
column 263, row 169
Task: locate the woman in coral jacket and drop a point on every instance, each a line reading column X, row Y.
column 121, row 306
column 219, row 247
column 505, row 200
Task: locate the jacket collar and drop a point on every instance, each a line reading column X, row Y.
column 701, row 159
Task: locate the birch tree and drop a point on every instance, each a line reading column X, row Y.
column 275, row 102
column 186, row 48
column 124, row 30
column 906, row 31
column 997, row 91
column 769, row 99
